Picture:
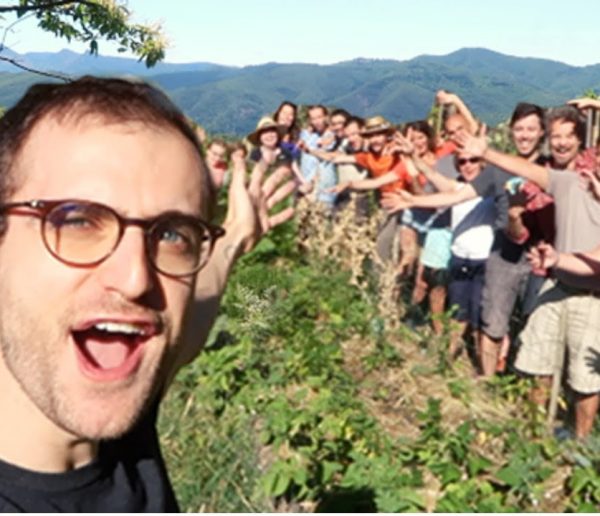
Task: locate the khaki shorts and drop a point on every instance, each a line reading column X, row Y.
column 563, row 314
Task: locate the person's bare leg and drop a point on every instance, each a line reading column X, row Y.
column 409, row 248
column 586, row 408
column 503, row 354
column 456, row 337
column 437, row 303
column 488, row 359
column 540, row 393
column 420, row 290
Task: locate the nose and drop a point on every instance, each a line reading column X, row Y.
column 127, row 270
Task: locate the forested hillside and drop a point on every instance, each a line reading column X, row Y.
column 230, row 100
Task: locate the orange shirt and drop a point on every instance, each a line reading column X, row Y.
column 448, row 147
column 379, row 165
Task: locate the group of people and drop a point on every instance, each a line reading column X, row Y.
column 484, row 234
column 111, row 271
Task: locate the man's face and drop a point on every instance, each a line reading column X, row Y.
column 336, row 124
column 215, row 155
column 377, row 142
column 468, row 165
column 317, row 119
column 526, row 134
column 352, row 134
column 454, row 125
column 90, row 346
column 564, row 144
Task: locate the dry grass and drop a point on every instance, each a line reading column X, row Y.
column 352, row 242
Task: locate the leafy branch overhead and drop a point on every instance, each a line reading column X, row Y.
column 91, row 21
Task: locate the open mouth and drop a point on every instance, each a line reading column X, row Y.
column 110, row 350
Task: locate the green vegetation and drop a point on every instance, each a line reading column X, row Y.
column 308, row 397
column 92, row 21
column 228, row 100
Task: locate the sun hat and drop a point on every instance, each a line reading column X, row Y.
column 377, row 124
column 264, row 124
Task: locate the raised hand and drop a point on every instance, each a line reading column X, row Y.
column 404, row 143
column 475, row 145
column 249, row 214
column 443, row 97
column 585, row 103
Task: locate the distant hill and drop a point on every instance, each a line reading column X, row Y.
column 230, row 100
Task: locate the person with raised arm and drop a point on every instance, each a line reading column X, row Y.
column 111, row 278
column 568, row 306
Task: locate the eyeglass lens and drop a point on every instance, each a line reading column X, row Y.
column 86, row 234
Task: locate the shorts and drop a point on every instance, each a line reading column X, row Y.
column 563, row 314
column 504, row 283
column 464, row 289
column 436, row 277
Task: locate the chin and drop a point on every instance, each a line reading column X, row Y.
column 102, row 416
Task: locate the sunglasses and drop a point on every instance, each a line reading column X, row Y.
column 462, row 161
column 84, row 233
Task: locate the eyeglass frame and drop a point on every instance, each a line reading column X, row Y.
column 43, row 207
column 463, row 161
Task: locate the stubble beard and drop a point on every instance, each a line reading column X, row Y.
column 87, row 411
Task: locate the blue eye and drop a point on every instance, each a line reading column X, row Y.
column 76, row 217
column 172, row 236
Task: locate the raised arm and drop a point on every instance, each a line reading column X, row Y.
column 405, row 146
column 439, row 181
column 396, row 201
column 366, row 184
column 585, row 103
column 477, row 145
column 248, row 218
column 445, row 98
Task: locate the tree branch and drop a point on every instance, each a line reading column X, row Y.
column 46, row 5
column 14, row 62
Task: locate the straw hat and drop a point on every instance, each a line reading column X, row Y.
column 377, row 124
column 264, row 124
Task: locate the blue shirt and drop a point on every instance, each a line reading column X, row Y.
column 312, row 167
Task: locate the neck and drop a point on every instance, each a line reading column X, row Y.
column 567, row 166
column 533, row 156
column 30, row 440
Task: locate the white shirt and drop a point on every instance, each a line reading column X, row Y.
column 473, row 228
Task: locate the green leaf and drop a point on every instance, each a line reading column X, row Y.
column 330, row 469
column 476, row 464
column 512, row 475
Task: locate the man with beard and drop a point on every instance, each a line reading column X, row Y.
column 110, row 277
column 568, row 307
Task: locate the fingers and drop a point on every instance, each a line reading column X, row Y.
column 281, row 217
column 280, row 194
column 256, row 177
column 271, row 183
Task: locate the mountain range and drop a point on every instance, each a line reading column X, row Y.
column 230, row 100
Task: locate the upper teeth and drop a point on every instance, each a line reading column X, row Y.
column 115, row 327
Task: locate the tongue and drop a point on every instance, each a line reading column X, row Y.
column 106, row 351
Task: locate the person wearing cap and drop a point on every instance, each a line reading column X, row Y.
column 272, row 149
column 388, row 172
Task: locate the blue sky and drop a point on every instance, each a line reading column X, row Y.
column 243, row 32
